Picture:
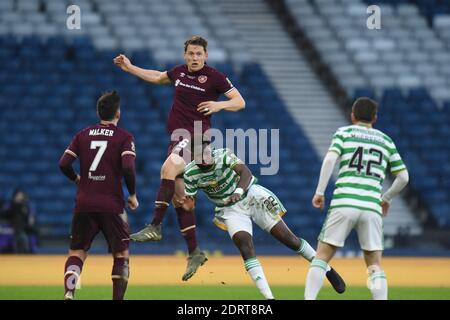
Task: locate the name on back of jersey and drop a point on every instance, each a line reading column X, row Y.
column 365, row 135
column 101, row 132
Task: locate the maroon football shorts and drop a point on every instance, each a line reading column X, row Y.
column 86, row 225
column 181, row 148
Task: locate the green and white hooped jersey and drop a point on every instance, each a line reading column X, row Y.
column 365, row 153
column 219, row 182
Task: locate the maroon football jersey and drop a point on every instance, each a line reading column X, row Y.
column 99, row 149
column 192, row 88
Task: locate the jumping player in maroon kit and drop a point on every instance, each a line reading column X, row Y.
column 106, row 154
column 197, row 89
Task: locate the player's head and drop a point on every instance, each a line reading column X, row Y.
column 364, row 110
column 108, row 106
column 19, row 196
column 195, row 53
column 202, row 149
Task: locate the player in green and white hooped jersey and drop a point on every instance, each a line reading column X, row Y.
column 365, row 154
column 229, row 183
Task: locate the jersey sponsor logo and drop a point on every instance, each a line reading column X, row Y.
column 96, row 178
column 210, row 184
column 202, row 79
column 217, row 188
column 179, row 83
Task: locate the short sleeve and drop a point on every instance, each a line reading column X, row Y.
column 231, row 160
column 223, row 84
column 190, row 186
column 73, row 148
column 337, row 143
column 395, row 161
column 171, row 73
column 128, row 146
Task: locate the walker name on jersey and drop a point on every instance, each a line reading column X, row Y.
column 96, row 178
column 101, row 132
column 178, row 82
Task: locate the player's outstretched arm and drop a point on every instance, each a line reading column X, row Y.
column 152, row 76
column 328, row 163
column 401, row 180
column 234, row 103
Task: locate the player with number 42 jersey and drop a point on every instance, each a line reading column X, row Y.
column 364, row 155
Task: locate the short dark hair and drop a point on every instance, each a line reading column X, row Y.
column 196, row 41
column 365, row 109
column 107, row 105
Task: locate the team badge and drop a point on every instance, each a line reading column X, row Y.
column 202, row 79
column 212, row 183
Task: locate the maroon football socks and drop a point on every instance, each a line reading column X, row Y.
column 186, row 221
column 119, row 275
column 72, row 271
column 163, row 199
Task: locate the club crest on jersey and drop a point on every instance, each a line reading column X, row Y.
column 202, row 79
column 212, row 183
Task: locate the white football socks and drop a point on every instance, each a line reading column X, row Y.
column 314, row 279
column 256, row 272
column 307, row 252
column 377, row 283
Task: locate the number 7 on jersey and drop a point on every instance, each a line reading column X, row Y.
column 94, row 145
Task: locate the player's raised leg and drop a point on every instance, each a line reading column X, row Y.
column 244, row 242
column 172, row 167
column 186, row 220
column 283, row 234
column 317, row 270
column 377, row 281
column 72, row 272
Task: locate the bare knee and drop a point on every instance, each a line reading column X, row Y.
column 244, row 242
column 172, row 167
column 325, row 251
column 372, row 258
column 167, row 171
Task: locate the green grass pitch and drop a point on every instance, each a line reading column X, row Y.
column 210, row 292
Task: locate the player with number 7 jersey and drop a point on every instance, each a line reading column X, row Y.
column 100, row 149
column 106, row 154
